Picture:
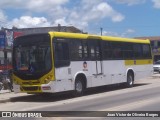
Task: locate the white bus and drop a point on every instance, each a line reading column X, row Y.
column 57, row 62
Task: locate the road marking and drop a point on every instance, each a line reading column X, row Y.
column 133, row 105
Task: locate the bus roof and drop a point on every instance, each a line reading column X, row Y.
column 69, row 35
column 107, row 38
column 120, row 39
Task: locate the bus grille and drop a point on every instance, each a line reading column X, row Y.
column 34, row 88
column 29, row 83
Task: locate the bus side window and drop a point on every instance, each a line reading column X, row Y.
column 85, row 50
column 76, row 51
column 117, row 52
column 92, row 52
column 107, row 51
column 61, row 54
column 137, row 48
column 94, row 49
column 128, row 51
column 146, row 51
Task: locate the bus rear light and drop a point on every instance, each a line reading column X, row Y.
column 46, row 88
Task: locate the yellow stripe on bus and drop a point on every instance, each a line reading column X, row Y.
column 88, row 36
column 138, row 62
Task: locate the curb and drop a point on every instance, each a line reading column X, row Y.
column 156, row 75
column 4, row 92
column 4, row 101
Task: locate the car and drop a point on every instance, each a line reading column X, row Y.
column 156, row 66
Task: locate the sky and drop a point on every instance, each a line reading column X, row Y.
column 124, row 18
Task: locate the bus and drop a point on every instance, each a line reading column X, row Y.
column 56, row 62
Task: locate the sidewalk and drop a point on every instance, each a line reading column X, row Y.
column 4, row 91
column 6, row 95
column 156, row 75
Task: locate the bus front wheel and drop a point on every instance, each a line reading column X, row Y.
column 130, row 80
column 79, row 87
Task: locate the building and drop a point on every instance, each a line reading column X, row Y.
column 6, row 50
column 155, row 44
column 8, row 35
column 59, row 28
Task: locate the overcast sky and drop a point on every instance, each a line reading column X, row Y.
column 126, row 18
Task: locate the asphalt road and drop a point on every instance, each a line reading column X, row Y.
column 144, row 96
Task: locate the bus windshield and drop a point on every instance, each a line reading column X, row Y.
column 32, row 55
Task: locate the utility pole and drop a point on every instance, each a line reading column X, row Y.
column 101, row 30
column 59, row 27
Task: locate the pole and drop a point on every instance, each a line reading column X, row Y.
column 101, row 30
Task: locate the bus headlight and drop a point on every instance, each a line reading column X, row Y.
column 48, row 79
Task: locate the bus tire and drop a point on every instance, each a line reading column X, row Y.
column 130, row 80
column 79, row 87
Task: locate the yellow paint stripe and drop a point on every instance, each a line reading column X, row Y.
column 119, row 39
column 138, row 62
column 87, row 36
column 68, row 35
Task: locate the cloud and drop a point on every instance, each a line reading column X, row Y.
column 130, row 31
column 130, row 2
column 61, row 21
column 52, row 10
column 28, row 21
column 11, row 4
column 156, row 3
column 63, row 12
column 33, row 5
column 88, row 12
column 3, row 17
column 126, row 33
column 110, row 33
column 45, row 6
column 100, row 11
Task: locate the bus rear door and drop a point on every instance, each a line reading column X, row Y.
column 96, row 62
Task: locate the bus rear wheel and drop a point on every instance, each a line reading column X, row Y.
column 130, row 80
column 79, row 87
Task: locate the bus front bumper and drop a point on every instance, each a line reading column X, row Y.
column 43, row 88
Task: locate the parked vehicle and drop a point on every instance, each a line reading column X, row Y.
column 156, row 66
